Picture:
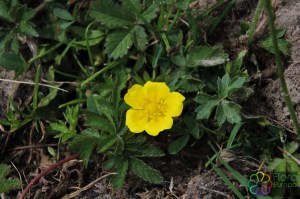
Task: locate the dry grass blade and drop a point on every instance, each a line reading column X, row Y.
column 75, row 193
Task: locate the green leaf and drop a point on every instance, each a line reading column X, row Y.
column 100, row 123
column 229, row 111
column 283, row 45
column 106, row 142
column 63, row 14
column 98, row 105
column 206, row 56
column 140, row 38
column 4, row 11
column 12, row 61
column 147, row 150
column 227, row 181
column 291, row 147
column 4, row 171
column 46, row 100
column 144, row 171
column 277, row 165
column 178, row 144
column 195, row 132
column 121, row 168
column 227, row 85
column 111, row 162
column 85, row 144
column 118, row 43
column 26, row 27
column 64, row 132
column 71, row 115
column 233, row 134
column 208, row 103
column 238, row 176
column 94, row 37
column 112, row 14
column 235, row 66
column 150, row 13
column 7, row 184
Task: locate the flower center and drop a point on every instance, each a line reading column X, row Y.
column 154, row 108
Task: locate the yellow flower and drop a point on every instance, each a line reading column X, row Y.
column 152, row 107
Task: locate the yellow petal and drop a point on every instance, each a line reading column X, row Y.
column 174, row 104
column 159, row 124
column 135, row 97
column 156, row 90
column 136, row 120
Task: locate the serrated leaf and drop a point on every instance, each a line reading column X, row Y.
column 64, row 132
column 7, row 184
column 118, row 43
column 208, row 103
column 226, row 85
column 63, row 14
column 150, row 13
column 111, row 162
column 12, row 61
column 206, row 56
column 283, row 45
column 147, row 150
column 71, row 115
column 106, row 142
column 85, row 144
column 98, row 105
column 229, row 111
column 121, row 168
column 140, row 38
column 144, row 171
column 178, row 144
column 112, row 14
column 4, row 171
column 100, row 123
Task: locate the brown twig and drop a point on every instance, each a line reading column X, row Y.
column 30, row 147
column 45, row 172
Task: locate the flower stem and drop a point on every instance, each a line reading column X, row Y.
column 253, row 25
column 279, row 67
column 46, row 171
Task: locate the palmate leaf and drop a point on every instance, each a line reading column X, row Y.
column 207, row 105
column 111, row 14
column 118, row 43
column 229, row 111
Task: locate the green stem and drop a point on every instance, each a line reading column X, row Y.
column 45, row 53
column 255, row 20
column 88, row 45
column 279, row 67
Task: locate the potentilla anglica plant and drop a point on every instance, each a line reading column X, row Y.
column 153, row 107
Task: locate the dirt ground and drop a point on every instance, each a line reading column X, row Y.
column 184, row 177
